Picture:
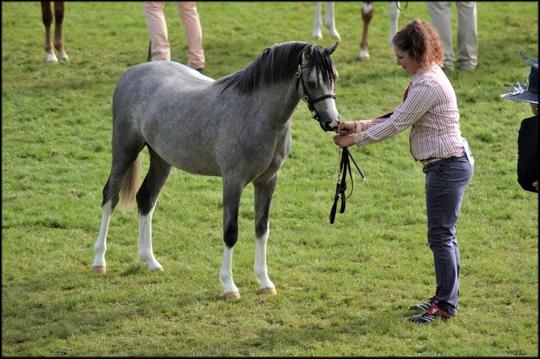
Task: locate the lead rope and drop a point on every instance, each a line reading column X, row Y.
column 341, row 186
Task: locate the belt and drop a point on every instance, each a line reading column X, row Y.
column 431, row 160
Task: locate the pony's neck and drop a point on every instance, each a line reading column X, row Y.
column 280, row 99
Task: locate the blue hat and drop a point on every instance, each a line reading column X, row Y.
column 523, row 93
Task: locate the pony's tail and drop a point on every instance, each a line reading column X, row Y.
column 130, row 185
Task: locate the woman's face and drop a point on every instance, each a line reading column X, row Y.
column 404, row 60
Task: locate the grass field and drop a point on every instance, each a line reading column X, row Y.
column 343, row 289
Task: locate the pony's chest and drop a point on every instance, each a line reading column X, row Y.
column 278, row 151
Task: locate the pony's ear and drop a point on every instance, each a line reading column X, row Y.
column 330, row 49
column 308, row 50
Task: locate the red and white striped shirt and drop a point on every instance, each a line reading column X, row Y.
column 430, row 107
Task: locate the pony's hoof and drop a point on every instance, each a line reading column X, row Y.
column 63, row 57
column 100, row 269
column 335, row 36
column 270, row 290
column 363, row 55
column 151, row 263
column 317, row 36
column 231, row 295
column 51, row 58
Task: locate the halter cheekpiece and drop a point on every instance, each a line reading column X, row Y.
column 307, row 98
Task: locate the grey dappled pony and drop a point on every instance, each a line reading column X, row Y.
column 237, row 127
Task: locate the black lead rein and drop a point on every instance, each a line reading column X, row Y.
column 345, row 165
column 341, row 186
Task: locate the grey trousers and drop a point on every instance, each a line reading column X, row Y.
column 446, row 182
column 467, row 37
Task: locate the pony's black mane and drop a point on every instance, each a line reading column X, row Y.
column 277, row 63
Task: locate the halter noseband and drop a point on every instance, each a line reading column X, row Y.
column 307, row 98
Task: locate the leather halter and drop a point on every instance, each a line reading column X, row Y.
column 307, row 98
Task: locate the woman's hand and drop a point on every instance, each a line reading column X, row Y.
column 346, row 128
column 343, row 141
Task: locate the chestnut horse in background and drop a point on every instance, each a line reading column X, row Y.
column 367, row 14
column 47, row 16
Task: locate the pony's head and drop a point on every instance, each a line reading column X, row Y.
column 317, row 76
column 310, row 65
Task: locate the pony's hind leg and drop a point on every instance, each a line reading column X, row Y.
column 123, row 178
column 58, row 20
column 99, row 265
column 47, row 17
column 263, row 197
column 146, row 200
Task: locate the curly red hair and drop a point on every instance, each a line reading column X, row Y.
column 421, row 42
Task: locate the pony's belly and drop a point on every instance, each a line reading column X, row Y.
column 197, row 166
column 200, row 171
column 180, row 154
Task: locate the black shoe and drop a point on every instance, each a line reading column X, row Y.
column 200, row 70
column 422, row 306
column 430, row 315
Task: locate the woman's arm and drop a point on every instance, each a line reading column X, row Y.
column 421, row 98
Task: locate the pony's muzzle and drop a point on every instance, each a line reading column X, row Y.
column 330, row 125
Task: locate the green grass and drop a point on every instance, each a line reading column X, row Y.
column 343, row 289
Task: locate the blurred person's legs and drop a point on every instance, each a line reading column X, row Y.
column 157, row 29
column 467, row 35
column 192, row 26
column 439, row 11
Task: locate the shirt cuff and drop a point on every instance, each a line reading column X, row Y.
column 361, row 125
column 359, row 139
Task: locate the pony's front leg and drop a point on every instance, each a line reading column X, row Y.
column 263, row 197
column 330, row 22
column 232, row 191
column 100, row 247
column 317, row 22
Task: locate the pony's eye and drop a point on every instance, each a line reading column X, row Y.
column 311, row 84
